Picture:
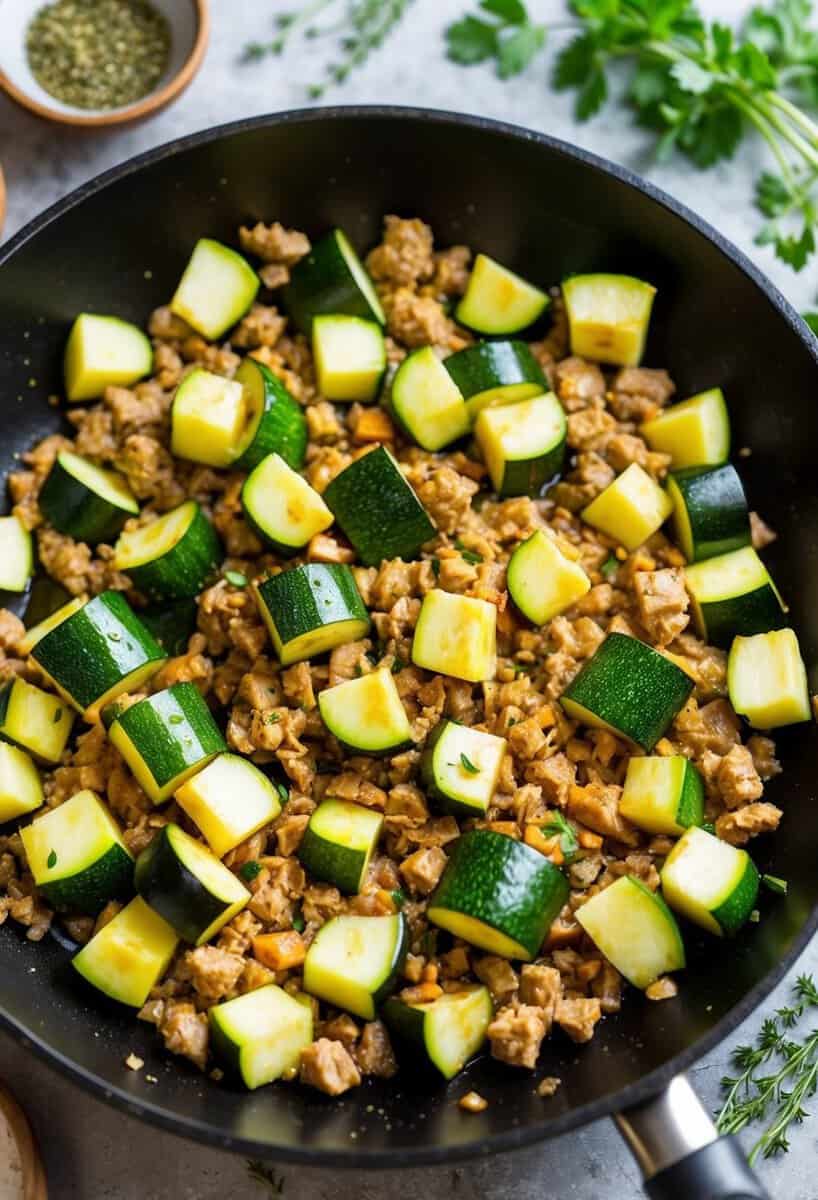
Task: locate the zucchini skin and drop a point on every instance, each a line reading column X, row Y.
column 311, row 596
column 173, row 890
column 758, row 611
column 378, row 510
column 171, row 624
column 492, row 365
column 503, row 883
column 339, row 865
column 736, row 909
column 109, row 878
column 92, row 651
column 184, row 569
column 282, row 426
column 618, row 685
column 72, row 508
column 528, row 476
column 323, row 283
column 716, row 508
column 168, row 747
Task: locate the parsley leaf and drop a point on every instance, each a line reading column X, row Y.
column 558, row 825
column 249, row 870
column 512, row 39
column 471, row 41
column 517, row 50
column 775, row 884
column 467, row 765
column 469, row 556
column 51, row 861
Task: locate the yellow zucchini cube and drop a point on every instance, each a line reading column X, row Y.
column 608, row 316
column 456, row 635
column 767, row 680
column 630, row 509
column 542, row 582
column 208, row 419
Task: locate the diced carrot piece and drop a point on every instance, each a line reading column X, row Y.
column 280, row 951
column 374, row 425
column 546, row 717
column 422, row 993
column 509, row 828
column 588, row 840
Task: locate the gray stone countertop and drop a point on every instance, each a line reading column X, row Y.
column 94, row 1152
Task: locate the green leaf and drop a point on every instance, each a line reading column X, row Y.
column 692, row 78
column 775, row 884
column 567, row 835
column 518, row 49
column 249, row 870
column 467, row 765
column 471, row 41
column 513, row 12
column 58, row 711
column 272, row 718
column 609, row 567
column 283, row 792
column 754, row 66
column 795, row 251
column 575, row 63
column 592, row 95
column 51, row 861
column 469, row 556
column 399, row 897
column 773, row 196
column 299, row 924
column 237, row 578
column 649, row 84
column 714, row 135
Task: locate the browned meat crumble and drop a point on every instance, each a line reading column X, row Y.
column 552, row 764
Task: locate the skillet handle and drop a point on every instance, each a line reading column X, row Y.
column 679, row 1152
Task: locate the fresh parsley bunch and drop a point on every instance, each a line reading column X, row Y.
column 701, row 86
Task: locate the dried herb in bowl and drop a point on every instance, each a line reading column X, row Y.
column 98, row 54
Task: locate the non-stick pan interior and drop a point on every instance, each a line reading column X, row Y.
column 549, row 212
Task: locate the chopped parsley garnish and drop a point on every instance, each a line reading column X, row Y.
column 272, row 718
column 283, row 792
column 57, row 715
column 775, row 884
column 469, row 556
column 467, row 765
column 609, row 566
column 399, row 897
column 436, row 568
column 299, row 924
column 398, row 664
column 51, row 861
column 249, row 870
column 559, row 827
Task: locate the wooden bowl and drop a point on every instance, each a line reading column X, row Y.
column 31, row 1182
column 189, row 22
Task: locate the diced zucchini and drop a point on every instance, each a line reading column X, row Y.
column 275, row 420
column 209, row 419
column 77, row 857
column 629, row 689
column 608, row 317
column 261, row 1034
column 446, row 1032
column 498, row 894
column 354, row 962
column 98, row 652
column 166, row 738
column 45, row 597
column 229, row 800
column 331, row 279
column 338, row 843
column 281, row 506
column 47, row 624
column 456, row 635
column 34, row 719
column 21, row 790
column 187, row 885
column 16, row 557
column 310, row 609
column 171, row 624
column 694, row 433
column 460, row 768
column 378, row 510
column 542, row 582
column 767, row 680
column 104, row 352
column 710, row 882
column 663, row 795
column 492, row 373
column 172, row 557
column 87, row 502
column 710, row 514
column 216, row 289
column 350, row 357
column 635, row 930
column 497, row 301
column 523, row 444
column 733, row 594
column 129, row 954
column 630, row 509
column 367, row 714
column 427, row 402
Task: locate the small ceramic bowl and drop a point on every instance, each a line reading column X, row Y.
column 189, row 22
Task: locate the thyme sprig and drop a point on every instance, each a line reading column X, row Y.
column 776, row 1075
column 360, row 27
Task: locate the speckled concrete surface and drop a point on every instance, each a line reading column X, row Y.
column 93, row 1152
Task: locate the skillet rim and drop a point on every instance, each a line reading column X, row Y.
column 654, row 1081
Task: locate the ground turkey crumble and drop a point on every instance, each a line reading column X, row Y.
column 271, row 712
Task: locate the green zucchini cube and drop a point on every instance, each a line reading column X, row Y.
column 310, row 609
column 456, row 635
column 129, row 955
column 635, row 930
column 216, row 289
column 367, row 714
column 260, row 1036
column 104, row 352
column 21, row 790
column 663, row 794
column 34, row 719
column 166, row 738
column 523, row 444
column 710, row 882
column 338, row 843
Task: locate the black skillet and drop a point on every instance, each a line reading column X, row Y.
column 118, row 245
